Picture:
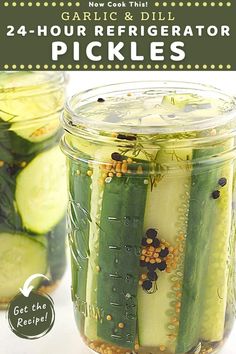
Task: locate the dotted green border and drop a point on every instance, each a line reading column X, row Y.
column 117, row 67
column 157, row 4
column 194, row 4
column 40, row 4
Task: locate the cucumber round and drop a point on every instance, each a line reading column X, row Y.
column 41, row 195
column 37, row 132
column 21, row 256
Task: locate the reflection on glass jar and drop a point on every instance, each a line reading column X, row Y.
column 152, row 216
column 32, row 181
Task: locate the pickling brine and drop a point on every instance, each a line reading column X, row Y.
column 152, row 216
column 32, row 181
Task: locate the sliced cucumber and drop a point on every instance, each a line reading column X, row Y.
column 203, row 216
column 33, row 116
column 21, row 256
column 217, row 273
column 166, row 211
column 9, row 218
column 79, row 220
column 80, row 232
column 193, row 107
column 41, row 194
column 37, row 132
column 186, row 102
column 32, row 107
column 97, row 189
column 56, row 250
column 14, row 148
column 121, row 228
column 6, row 117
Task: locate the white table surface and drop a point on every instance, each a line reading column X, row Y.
column 63, row 338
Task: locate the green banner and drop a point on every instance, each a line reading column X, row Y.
column 118, row 35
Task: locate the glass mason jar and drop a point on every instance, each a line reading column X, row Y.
column 33, row 195
column 152, row 216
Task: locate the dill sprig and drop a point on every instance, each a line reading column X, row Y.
column 156, row 170
column 152, row 146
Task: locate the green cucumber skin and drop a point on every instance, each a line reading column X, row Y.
column 217, row 274
column 5, row 154
column 13, row 151
column 166, row 211
column 13, row 148
column 198, row 241
column 121, row 226
column 16, row 256
column 56, row 250
column 230, row 306
column 41, row 195
column 79, row 220
column 9, row 218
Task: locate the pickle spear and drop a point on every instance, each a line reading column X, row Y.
column 79, row 218
column 121, row 226
column 203, row 234
column 217, row 274
column 166, row 211
column 97, row 189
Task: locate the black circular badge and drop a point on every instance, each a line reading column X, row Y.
column 31, row 317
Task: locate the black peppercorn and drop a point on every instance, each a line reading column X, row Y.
column 164, row 252
column 151, row 266
column 152, row 275
column 12, row 170
column 147, row 285
column 222, row 181
column 144, row 241
column 215, row 194
column 121, row 136
column 126, row 137
column 156, row 243
column 116, row 156
column 100, row 99
column 161, row 266
column 142, row 263
column 152, row 233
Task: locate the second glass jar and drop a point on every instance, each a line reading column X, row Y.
column 32, row 181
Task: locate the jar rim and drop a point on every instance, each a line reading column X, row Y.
column 77, row 124
column 31, row 91
column 49, row 81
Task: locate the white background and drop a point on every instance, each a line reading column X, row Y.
column 88, row 79
column 64, row 338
